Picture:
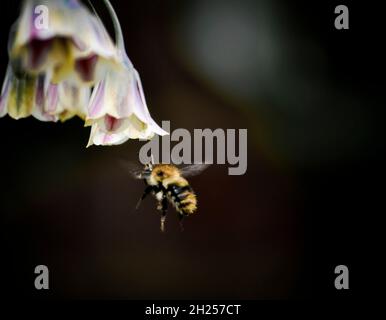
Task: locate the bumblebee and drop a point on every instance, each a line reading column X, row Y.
column 167, row 183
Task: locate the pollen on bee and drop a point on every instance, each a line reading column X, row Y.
column 159, row 196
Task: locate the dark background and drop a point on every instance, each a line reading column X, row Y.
column 312, row 99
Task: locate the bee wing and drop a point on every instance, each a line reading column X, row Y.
column 132, row 168
column 193, row 170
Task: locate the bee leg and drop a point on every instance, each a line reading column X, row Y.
column 164, row 208
column 145, row 193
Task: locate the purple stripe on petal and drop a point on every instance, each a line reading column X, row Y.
column 107, row 138
column 53, row 97
column 96, row 104
column 3, row 99
column 39, row 112
column 7, row 83
column 39, row 98
column 5, row 91
column 140, row 108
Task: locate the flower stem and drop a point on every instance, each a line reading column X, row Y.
column 117, row 25
column 120, row 43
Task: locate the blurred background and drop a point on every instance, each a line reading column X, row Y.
column 312, row 100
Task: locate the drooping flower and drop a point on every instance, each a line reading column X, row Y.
column 118, row 110
column 24, row 95
column 71, row 44
column 54, row 65
column 28, row 94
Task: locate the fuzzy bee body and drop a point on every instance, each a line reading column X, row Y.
column 167, row 184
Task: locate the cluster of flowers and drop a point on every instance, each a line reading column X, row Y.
column 69, row 66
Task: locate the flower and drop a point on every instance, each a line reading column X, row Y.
column 53, row 66
column 28, row 94
column 65, row 100
column 118, row 110
column 58, row 51
column 71, row 45
column 24, row 95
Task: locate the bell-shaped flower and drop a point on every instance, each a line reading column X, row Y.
column 65, row 100
column 24, row 95
column 118, row 110
column 61, row 37
column 27, row 94
column 57, row 50
column 53, row 65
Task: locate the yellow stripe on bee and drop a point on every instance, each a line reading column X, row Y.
column 189, row 204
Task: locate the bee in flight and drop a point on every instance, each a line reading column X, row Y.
column 167, row 183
